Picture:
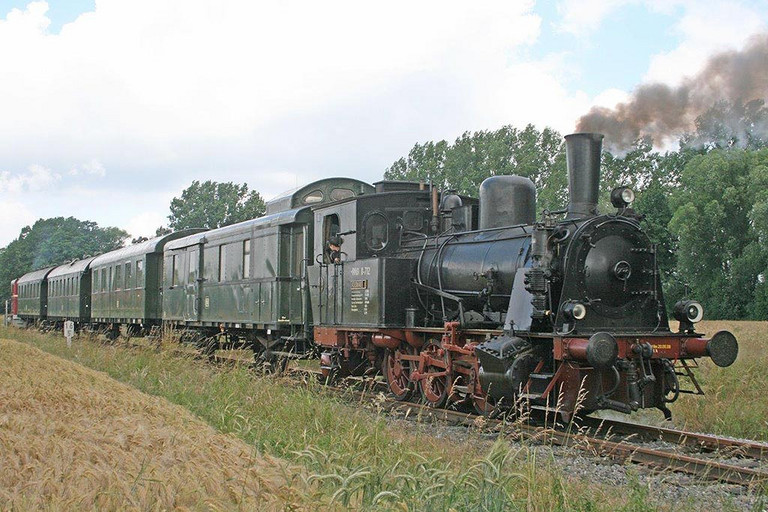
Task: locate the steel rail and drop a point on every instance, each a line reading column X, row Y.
column 709, row 442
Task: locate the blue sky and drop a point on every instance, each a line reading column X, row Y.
column 138, row 98
column 59, row 12
column 617, row 54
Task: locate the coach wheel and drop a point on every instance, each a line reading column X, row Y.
column 398, row 372
column 434, row 389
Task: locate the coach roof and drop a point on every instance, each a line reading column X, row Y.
column 37, row 275
column 153, row 245
column 74, row 267
column 277, row 219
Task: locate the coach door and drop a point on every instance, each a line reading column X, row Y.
column 192, row 286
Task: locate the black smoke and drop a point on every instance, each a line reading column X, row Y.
column 729, row 81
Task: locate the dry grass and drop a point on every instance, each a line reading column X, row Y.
column 735, row 403
column 72, row 438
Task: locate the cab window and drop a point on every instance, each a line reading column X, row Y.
column 331, row 228
column 376, row 231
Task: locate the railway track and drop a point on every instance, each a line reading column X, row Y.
column 621, row 441
column 602, row 438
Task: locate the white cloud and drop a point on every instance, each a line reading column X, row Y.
column 270, row 93
column 37, row 178
column 705, row 28
column 274, row 94
column 144, row 224
column 582, row 17
column 91, row 168
column 15, row 215
column 609, row 98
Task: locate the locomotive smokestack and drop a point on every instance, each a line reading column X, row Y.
column 582, row 151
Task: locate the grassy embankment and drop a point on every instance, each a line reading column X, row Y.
column 351, row 454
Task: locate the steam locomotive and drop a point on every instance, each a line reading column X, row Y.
column 461, row 301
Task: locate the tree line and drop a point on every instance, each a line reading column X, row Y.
column 705, row 204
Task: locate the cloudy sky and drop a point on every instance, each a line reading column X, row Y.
column 109, row 109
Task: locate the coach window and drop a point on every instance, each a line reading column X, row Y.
column 103, row 279
column 128, row 281
column 314, row 197
column 140, row 274
column 338, row 194
column 222, row 263
column 210, row 264
column 118, row 277
column 192, row 266
column 175, row 270
column 246, row 259
column 376, row 231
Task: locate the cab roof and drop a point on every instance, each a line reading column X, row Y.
column 327, row 190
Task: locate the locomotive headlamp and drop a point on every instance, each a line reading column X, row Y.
column 575, row 311
column 688, row 311
column 621, row 197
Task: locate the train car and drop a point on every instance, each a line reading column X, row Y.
column 249, row 280
column 126, row 286
column 69, row 292
column 33, row 295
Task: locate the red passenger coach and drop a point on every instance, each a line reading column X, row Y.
column 15, row 297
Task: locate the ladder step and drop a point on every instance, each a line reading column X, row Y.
column 543, row 376
column 530, row 396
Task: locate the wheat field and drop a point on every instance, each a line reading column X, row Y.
column 72, row 438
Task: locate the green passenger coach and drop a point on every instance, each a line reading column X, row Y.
column 33, row 295
column 250, row 279
column 126, row 284
column 69, row 292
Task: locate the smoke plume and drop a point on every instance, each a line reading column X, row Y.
column 662, row 112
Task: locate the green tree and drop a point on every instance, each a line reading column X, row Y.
column 474, row 156
column 213, row 205
column 720, row 220
column 52, row 242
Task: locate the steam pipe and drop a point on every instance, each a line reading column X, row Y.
column 582, row 151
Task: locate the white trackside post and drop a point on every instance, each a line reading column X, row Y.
column 69, row 331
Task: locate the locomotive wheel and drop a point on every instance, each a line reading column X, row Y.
column 434, row 390
column 398, row 373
